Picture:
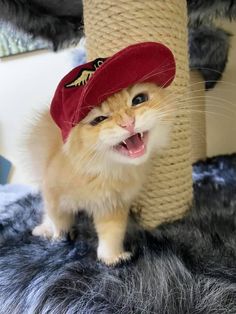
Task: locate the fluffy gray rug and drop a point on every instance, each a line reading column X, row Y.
column 180, row 268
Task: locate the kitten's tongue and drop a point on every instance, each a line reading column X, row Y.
column 135, row 146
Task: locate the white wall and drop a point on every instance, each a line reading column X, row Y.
column 27, row 83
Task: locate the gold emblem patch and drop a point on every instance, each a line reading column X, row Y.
column 86, row 74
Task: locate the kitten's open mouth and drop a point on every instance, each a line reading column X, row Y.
column 134, row 146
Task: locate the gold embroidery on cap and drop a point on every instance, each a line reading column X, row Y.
column 86, row 74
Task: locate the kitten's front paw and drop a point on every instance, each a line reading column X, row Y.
column 46, row 231
column 43, row 230
column 115, row 259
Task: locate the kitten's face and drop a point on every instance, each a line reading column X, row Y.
column 127, row 128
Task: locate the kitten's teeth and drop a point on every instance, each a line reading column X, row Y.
column 141, row 134
column 124, row 142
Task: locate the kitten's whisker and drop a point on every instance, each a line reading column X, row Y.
column 173, row 92
column 209, row 97
column 180, row 103
column 166, row 113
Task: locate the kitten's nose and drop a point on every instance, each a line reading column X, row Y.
column 128, row 124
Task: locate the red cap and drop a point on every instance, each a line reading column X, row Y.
column 88, row 85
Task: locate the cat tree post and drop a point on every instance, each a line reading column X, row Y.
column 198, row 118
column 111, row 25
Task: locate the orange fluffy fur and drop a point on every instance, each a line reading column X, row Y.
column 87, row 174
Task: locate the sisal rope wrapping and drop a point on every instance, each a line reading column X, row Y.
column 111, row 25
column 198, row 117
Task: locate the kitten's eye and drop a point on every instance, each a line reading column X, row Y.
column 140, row 98
column 98, row 120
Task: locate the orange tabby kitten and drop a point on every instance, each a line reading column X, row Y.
column 101, row 167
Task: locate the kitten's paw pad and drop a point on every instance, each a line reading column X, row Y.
column 44, row 231
column 116, row 259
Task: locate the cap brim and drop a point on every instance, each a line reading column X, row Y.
column 143, row 62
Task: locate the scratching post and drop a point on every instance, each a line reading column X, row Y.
column 198, row 118
column 111, row 25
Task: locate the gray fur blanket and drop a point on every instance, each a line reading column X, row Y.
column 184, row 267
